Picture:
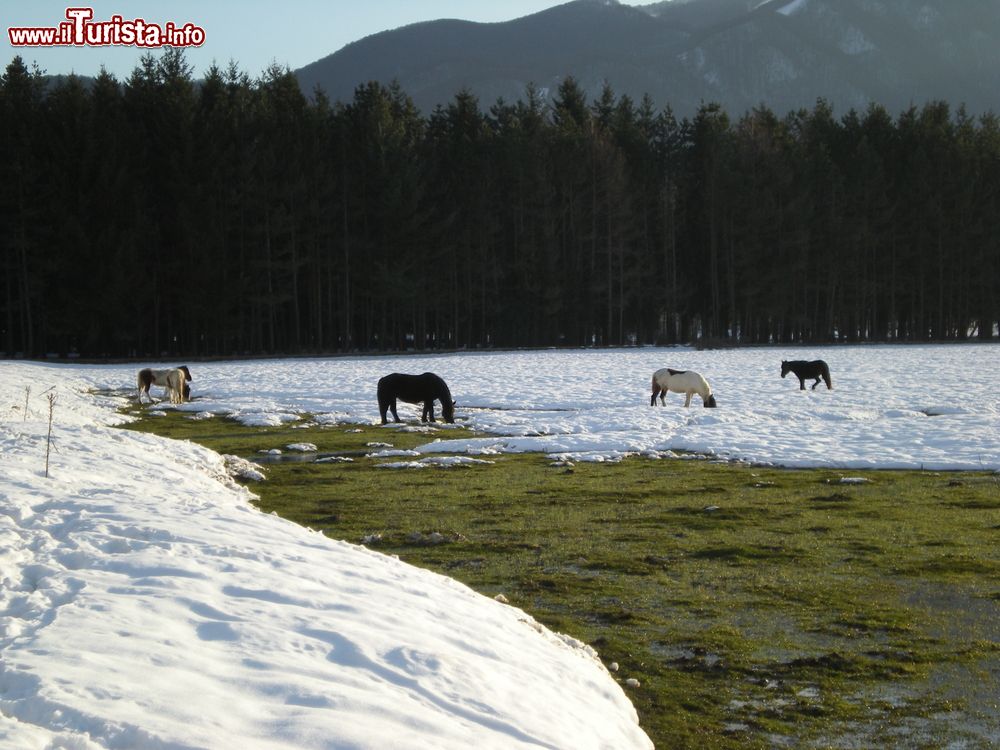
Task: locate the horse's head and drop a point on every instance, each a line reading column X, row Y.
column 187, row 372
column 710, row 402
column 785, row 369
column 448, row 411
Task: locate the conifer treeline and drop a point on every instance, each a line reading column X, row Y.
column 237, row 216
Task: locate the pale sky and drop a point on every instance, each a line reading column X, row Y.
column 254, row 33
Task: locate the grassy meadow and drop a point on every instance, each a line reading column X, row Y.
column 755, row 606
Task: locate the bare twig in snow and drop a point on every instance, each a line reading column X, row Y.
column 48, row 440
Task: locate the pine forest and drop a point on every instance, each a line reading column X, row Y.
column 167, row 215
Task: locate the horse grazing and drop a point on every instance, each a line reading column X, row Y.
column 681, row 381
column 817, row 368
column 414, row 389
column 174, row 380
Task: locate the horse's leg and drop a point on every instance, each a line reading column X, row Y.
column 816, row 383
column 428, row 410
column 652, row 399
column 392, row 408
column 687, row 401
column 802, row 384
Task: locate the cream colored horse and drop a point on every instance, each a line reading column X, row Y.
column 174, row 380
column 681, row 381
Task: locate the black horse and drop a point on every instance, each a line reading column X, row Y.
column 414, row 389
column 816, row 369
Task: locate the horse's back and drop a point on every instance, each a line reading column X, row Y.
column 663, row 375
column 433, row 380
column 804, row 365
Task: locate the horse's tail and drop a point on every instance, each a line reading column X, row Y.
column 175, row 386
column 826, row 376
column 142, row 382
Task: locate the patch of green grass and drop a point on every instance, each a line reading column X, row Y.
column 753, row 605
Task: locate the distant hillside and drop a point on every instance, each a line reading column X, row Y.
column 785, row 53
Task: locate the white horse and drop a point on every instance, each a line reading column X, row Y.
column 175, row 380
column 681, row 381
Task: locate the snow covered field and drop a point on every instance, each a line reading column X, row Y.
column 932, row 407
column 145, row 603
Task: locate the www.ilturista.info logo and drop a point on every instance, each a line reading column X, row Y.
column 79, row 30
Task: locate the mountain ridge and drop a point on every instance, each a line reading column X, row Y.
column 782, row 53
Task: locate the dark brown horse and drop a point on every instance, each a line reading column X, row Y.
column 817, row 368
column 415, row 389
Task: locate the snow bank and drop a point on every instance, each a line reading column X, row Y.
column 145, row 603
